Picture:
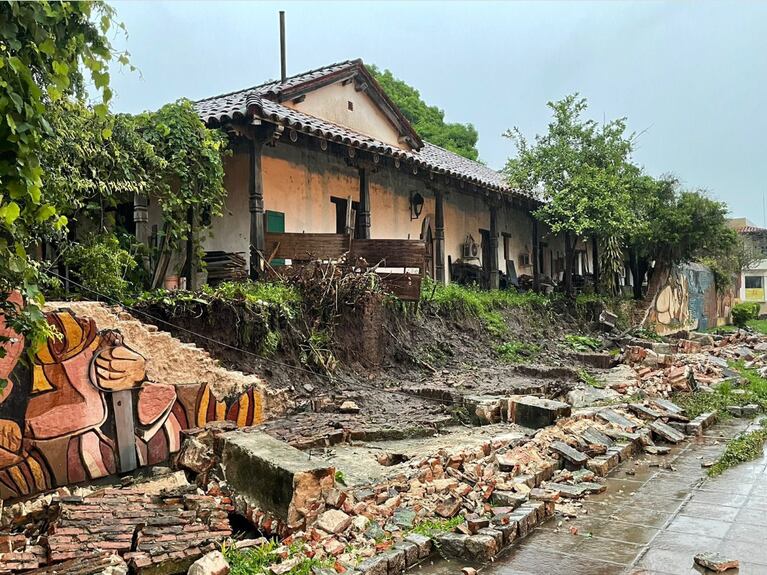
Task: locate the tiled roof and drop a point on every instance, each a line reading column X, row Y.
column 231, row 106
column 259, row 102
column 751, row 230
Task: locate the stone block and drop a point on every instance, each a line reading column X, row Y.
column 395, row 561
column 750, row 410
column 494, row 533
column 481, row 547
column 569, row 453
column 272, row 475
column 411, row 552
column 510, row 499
column 214, row 563
column 666, row 432
column 376, row 565
column 452, row 544
column 735, row 410
column 509, row 531
column 536, row 412
column 423, row 543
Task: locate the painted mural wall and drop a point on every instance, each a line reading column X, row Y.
column 689, row 300
column 84, row 409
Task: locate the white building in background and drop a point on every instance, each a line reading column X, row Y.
column 752, row 283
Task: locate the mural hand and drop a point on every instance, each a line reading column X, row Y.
column 119, row 368
column 10, row 442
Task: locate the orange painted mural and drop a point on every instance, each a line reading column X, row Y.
column 84, row 409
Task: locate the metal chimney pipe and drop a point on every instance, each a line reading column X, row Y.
column 283, row 60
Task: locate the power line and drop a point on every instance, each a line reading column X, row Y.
column 239, row 349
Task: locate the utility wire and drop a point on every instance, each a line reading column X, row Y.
column 239, row 349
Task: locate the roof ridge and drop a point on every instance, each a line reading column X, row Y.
column 277, row 82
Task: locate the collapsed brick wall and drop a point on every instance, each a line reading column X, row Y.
column 110, row 395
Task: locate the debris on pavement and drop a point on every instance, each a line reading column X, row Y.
column 716, row 562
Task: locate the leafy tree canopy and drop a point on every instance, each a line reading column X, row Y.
column 95, row 162
column 580, row 168
column 428, row 121
column 44, row 47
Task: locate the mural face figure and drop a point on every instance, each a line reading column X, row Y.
column 85, row 409
column 10, row 428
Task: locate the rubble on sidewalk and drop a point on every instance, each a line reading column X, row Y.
column 716, row 562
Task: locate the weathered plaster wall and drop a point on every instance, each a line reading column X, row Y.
column 92, row 404
column 689, row 300
column 300, row 182
column 331, row 103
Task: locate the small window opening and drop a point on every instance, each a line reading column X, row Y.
column 350, row 105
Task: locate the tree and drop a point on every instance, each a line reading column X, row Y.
column 44, row 46
column 582, row 171
column 428, row 121
column 673, row 226
column 95, row 162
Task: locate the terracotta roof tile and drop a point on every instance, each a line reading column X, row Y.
column 258, row 102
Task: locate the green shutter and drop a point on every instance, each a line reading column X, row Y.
column 275, row 224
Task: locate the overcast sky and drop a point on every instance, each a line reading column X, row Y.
column 691, row 76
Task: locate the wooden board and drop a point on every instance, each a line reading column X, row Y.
column 391, row 253
column 305, row 247
column 406, row 287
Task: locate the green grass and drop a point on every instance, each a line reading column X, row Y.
column 275, row 293
column 758, row 325
column 744, row 447
column 517, row 351
column 589, row 379
column 455, row 299
column 582, row 343
column 257, row 560
column 754, row 390
column 430, row 527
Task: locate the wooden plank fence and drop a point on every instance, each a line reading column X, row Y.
column 404, row 260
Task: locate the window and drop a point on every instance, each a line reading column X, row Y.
column 754, row 288
column 524, row 259
column 754, row 282
column 350, row 105
column 341, row 205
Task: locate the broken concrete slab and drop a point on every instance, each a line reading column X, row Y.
column 593, row 435
column 576, row 491
column 570, row 454
column 666, row 431
column 620, row 377
column 586, row 396
column 536, row 412
column 750, row 410
column 287, row 478
column 611, row 416
column 667, row 406
column 643, row 411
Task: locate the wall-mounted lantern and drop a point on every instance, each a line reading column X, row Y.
column 416, row 205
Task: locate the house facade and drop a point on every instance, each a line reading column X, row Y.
column 752, row 281
column 327, row 153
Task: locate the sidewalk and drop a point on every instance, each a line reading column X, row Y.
column 653, row 520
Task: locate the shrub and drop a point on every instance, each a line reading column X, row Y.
column 102, row 265
column 743, row 312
